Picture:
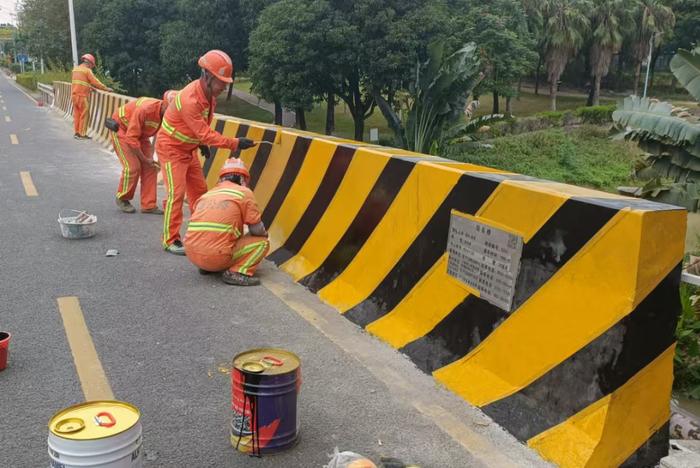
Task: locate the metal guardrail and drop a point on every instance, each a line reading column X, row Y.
column 690, row 279
column 47, row 94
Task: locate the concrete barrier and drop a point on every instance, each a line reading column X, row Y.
column 580, row 367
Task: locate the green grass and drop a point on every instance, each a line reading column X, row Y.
column 530, row 103
column 239, row 108
column 582, row 156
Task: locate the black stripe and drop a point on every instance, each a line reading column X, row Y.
column 651, row 452
column 261, row 156
column 312, row 215
column 467, row 196
column 291, row 170
column 220, row 124
column 368, row 217
column 596, row 370
column 561, row 237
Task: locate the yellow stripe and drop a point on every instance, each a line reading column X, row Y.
column 28, row 183
column 13, row 139
column 168, row 204
column 610, row 430
column 302, row 191
column 125, row 162
column 82, row 83
column 254, row 257
column 270, row 177
column 437, row 294
column 92, row 376
column 588, row 295
column 421, row 194
column 361, row 175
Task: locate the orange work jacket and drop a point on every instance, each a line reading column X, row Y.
column 83, row 80
column 187, row 123
column 218, row 219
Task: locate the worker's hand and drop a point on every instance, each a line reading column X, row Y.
column 109, row 90
column 204, row 149
column 153, row 163
column 245, row 143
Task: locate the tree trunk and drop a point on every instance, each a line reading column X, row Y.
column 509, row 107
column 330, row 114
column 300, row 119
column 596, row 90
column 537, row 75
column 637, row 75
column 654, row 57
column 591, row 92
column 278, row 113
column 359, row 126
column 553, row 95
column 495, row 103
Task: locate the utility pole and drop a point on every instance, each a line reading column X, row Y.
column 73, row 41
column 651, row 47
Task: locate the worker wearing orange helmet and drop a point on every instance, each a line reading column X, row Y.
column 136, row 122
column 186, row 126
column 215, row 241
column 83, row 81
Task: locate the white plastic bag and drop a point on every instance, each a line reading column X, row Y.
column 349, row 460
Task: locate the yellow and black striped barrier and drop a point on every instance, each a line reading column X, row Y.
column 580, row 368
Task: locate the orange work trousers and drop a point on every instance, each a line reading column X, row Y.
column 133, row 171
column 81, row 107
column 247, row 254
column 181, row 176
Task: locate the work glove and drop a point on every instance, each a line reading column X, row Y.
column 245, row 143
column 205, row 151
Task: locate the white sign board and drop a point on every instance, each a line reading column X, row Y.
column 485, row 258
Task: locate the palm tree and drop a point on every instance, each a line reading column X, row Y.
column 652, row 19
column 565, row 29
column 610, row 19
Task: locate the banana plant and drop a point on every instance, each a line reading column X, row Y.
column 669, row 135
column 436, row 100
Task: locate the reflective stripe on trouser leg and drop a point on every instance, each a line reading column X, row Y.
column 249, row 256
column 125, row 166
column 168, row 176
column 85, row 116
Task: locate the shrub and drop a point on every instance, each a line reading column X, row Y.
column 28, row 80
column 15, row 68
column 596, row 114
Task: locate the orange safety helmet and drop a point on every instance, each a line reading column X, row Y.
column 234, row 166
column 88, row 58
column 169, row 95
column 218, row 63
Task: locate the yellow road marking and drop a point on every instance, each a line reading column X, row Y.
column 92, row 376
column 13, row 139
column 7, row 118
column 28, row 183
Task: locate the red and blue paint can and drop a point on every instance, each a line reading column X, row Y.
column 264, row 390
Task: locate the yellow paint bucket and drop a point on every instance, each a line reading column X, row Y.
column 105, row 434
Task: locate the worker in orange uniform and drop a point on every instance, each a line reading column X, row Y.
column 136, row 122
column 186, row 126
column 83, row 80
column 215, row 241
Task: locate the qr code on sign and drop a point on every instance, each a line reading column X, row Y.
column 512, row 241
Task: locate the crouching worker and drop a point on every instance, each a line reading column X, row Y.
column 215, row 242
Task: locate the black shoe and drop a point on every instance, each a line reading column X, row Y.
column 239, row 279
column 176, row 248
column 205, row 272
column 125, row 206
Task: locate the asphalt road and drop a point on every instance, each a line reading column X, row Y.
column 165, row 335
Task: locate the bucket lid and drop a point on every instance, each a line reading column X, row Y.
column 94, row 420
column 268, row 361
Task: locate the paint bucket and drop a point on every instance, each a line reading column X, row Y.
column 105, row 434
column 264, row 389
column 4, row 349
